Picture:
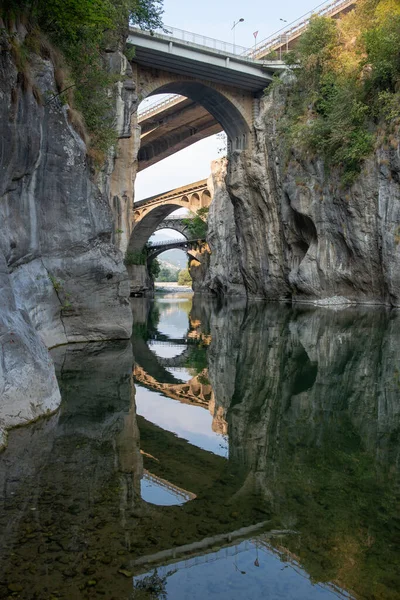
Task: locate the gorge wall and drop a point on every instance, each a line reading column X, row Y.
column 62, row 278
column 283, row 227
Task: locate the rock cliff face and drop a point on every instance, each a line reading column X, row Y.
column 65, row 278
column 28, row 386
column 299, row 233
column 213, row 274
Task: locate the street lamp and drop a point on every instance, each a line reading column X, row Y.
column 233, row 29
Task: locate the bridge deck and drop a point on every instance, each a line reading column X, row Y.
column 180, row 191
column 165, row 52
column 275, row 42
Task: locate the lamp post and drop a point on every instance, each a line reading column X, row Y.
column 233, row 29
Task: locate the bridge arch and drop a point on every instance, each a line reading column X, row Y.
column 222, row 106
column 183, row 245
column 150, row 213
column 149, row 222
column 206, row 198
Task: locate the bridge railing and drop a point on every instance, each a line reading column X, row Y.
column 277, row 40
column 176, row 218
column 282, row 37
column 172, row 241
column 190, row 38
column 158, row 104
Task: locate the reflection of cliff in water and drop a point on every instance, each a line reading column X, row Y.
column 310, row 399
column 315, row 418
column 73, row 514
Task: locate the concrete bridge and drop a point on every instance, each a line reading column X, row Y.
column 220, row 77
column 151, row 213
column 171, row 126
column 179, row 121
column 286, row 39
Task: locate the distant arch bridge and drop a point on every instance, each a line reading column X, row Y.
column 153, row 213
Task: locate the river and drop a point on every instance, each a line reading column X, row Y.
column 227, row 451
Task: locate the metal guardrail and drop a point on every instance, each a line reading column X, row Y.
column 155, row 107
column 281, row 37
column 176, row 218
column 190, row 38
column 173, row 241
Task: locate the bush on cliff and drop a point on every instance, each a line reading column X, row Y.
column 184, row 277
column 196, row 224
column 347, row 79
column 80, row 30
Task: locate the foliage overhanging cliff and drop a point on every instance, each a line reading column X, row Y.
column 316, row 200
column 345, row 96
column 74, row 34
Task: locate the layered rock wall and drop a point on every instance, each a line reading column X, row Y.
column 64, row 278
column 298, row 232
column 212, row 274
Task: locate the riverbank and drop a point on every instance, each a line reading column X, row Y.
column 164, row 286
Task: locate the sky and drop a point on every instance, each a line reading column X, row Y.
column 214, row 19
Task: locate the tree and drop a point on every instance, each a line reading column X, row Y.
column 154, row 269
column 167, row 274
column 184, row 277
column 197, row 223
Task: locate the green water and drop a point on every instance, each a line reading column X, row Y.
column 226, row 451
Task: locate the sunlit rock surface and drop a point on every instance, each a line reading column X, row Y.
column 221, row 274
column 67, row 278
column 28, row 385
column 297, row 232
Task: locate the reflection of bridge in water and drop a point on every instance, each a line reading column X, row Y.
column 167, row 485
column 221, row 547
column 191, row 392
column 175, row 362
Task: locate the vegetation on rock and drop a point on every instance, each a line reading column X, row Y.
column 346, row 84
column 75, row 34
column 184, row 277
column 196, row 224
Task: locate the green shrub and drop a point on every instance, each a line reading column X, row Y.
column 135, row 258
column 154, row 269
column 347, row 76
column 82, row 30
column 197, row 223
column 184, row 277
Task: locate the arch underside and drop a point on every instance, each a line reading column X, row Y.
column 219, row 106
column 155, row 253
column 182, row 230
column 145, row 228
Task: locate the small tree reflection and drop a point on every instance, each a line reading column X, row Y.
column 151, row 587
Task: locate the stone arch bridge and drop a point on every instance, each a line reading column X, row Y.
column 152, row 213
